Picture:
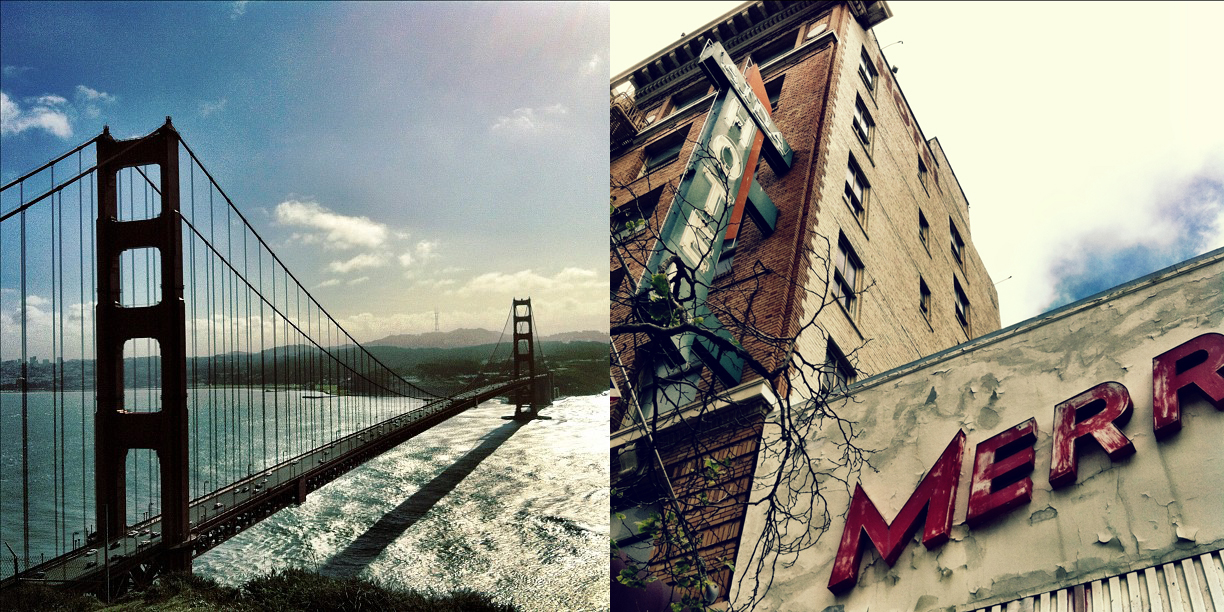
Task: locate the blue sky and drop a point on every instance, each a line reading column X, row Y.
column 398, row 156
column 1087, row 136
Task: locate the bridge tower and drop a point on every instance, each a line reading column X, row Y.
column 529, row 399
column 117, row 430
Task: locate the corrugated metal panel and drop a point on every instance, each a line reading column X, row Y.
column 1195, row 584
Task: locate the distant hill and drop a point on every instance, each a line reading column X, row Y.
column 578, row 336
column 451, row 339
column 474, row 337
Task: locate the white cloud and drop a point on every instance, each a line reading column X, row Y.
column 12, row 71
column 331, row 282
column 337, row 231
column 357, row 281
column 569, row 279
column 405, row 259
column 238, row 9
column 50, row 100
column 358, row 262
column 591, row 66
column 525, row 120
column 88, row 100
column 425, row 250
column 90, row 94
column 14, row 120
column 211, row 108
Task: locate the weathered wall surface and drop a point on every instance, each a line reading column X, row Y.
column 1163, row 503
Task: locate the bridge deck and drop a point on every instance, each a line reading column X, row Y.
column 220, row 515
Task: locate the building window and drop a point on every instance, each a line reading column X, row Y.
column 856, row 190
column 837, row 372
column 958, row 246
column 663, row 151
column 867, row 71
column 779, row 47
column 773, row 90
column 617, row 278
column 725, row 259
column 924, row 232
column 862, row 122
column 687, row 97
column 962, row 305
column 631, row 218
column 847, row 268
column 924, row 299
column 922, row 173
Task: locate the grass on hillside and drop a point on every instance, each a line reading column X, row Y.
column 292, row 589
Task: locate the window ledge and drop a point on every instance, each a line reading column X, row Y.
column 672, row 119
column 854, row 214
column 757, row 392
column 849, row 318
column 866, row 146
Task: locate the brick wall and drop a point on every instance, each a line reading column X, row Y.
column 778, row 284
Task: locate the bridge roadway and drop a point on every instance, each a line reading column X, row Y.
column 224, row 513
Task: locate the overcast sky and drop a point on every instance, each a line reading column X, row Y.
column 399, row 157
column 1087, row 137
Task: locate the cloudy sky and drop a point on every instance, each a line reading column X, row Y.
column 399, row 157
column 1087, row 137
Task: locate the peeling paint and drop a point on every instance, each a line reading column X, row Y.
column 1159, row 505
column 1044, row 514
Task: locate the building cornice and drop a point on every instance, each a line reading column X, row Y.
column 754, row 393
column 676, row 64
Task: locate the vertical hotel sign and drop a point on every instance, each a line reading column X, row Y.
column 696, row 223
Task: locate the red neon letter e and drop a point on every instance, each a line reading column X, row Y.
column 936, row 494
column 1117, row 407
column 1017, row 446
column 1203, row 375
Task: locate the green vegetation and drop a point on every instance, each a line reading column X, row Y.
column 292, row 589
column 579, row 368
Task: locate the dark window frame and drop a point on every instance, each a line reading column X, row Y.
column 776, row 48
column 663, row 151
column 857, row 203
column 838, row 372
column 775, row 96
column 862, row 122
column 958, row 245
column 847, row 270
column 962, row 305
column 641, row 208
column 867, row 71
column 924, row 299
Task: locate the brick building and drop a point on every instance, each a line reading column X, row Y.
column 858, row 258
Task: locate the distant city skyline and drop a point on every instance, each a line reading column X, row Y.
column 398, row 157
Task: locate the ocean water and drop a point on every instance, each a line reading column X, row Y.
column 518, row 511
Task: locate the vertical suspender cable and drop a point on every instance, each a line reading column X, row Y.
column 81, row 301
column 25, row 393
column 55, row 407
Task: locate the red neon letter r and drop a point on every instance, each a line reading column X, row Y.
column 1117, row 408
column 1167, row 380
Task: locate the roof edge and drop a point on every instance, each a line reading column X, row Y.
column 1194, row 263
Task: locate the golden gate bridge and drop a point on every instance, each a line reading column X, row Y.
column 193, row 386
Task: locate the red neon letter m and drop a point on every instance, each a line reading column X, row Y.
column 936, row 494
